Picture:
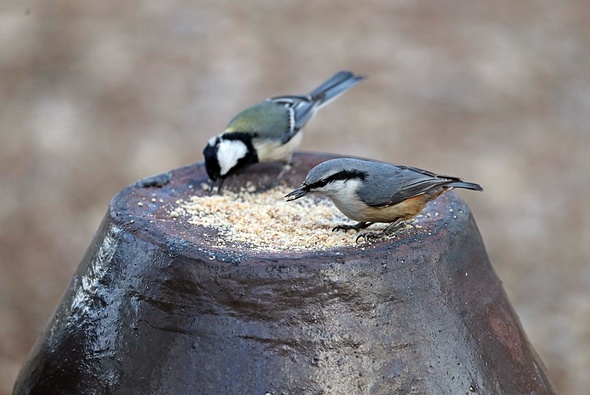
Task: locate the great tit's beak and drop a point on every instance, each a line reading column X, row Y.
column 220, row 181
column 296, row 194
column 215, row 184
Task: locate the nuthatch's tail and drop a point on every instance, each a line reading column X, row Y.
column 466, row 185
column 334, row 87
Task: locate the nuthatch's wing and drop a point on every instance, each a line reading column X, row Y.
column 387, row 184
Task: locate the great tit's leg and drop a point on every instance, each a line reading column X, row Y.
column 357, row 227
column 286, row 167
column 211, row 186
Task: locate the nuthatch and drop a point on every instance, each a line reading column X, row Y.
column 271, row 130
column 369, row 192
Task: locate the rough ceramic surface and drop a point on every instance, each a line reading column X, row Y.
column 154, row 309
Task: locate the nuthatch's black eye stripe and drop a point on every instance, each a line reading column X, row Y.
column 343, row 175
column 318, row 184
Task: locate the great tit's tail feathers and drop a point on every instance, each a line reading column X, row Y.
column 466, row 185
column 303, row 107
column 334, row 87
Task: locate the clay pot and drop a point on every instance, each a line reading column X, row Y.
column 154, row 309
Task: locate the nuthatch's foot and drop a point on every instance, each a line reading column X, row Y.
column 391, row 229
column 370, row 236
column 357, row 227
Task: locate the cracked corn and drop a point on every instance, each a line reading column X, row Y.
column 266, row 222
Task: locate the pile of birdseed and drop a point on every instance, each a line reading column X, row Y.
column 264, row 221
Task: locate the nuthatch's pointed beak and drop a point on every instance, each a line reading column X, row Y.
column 296, row 194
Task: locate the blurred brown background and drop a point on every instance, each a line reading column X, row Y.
column 96, row 95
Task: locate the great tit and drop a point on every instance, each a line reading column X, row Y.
column 271, row 130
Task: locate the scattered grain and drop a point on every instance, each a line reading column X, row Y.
column 266, row 222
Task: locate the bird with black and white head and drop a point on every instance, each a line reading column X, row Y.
column 271, row 130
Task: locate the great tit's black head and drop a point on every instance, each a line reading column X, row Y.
column 228, row 152
column 211, row 161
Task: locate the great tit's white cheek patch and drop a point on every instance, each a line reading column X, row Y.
column 212, row 141
column 229, row 152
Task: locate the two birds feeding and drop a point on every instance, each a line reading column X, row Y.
column 363, row 190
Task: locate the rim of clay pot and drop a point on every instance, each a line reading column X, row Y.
column 144, row 209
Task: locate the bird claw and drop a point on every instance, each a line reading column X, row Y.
column 391, row 229
column 345, row 228
column 412, row 224
column 370, row 236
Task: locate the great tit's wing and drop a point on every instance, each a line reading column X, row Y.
column 303, row 107
column 300, row 109
column 279, row 118
column 282, row 117
column 268, row 119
